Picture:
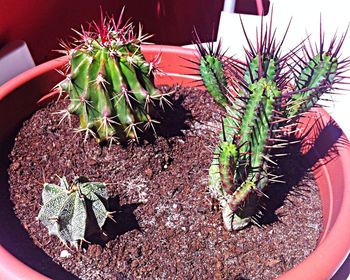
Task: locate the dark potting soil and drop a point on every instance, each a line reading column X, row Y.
column 166, row 225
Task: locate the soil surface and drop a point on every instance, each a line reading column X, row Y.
column 166, row 225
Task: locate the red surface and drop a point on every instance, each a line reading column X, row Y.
column 41, row 23
column 332, row 176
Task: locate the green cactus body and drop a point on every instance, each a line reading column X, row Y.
column 212, row 72
column 257, row 137
column 110, row 83
column 234, row 215
column 214, row 175
column 227, row 165
column 241, row 194
column 255, row 130
column 251, row 134
column 65, row 212
column 258, row 115
column 268, row 65
column 317, row 76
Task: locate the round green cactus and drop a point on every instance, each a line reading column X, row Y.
column 109, row 82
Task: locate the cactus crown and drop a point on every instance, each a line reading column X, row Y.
column 109, row 82
column 263, row 99
column 67, row 209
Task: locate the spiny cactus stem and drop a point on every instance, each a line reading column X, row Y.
column 241, row 194
column 227, row 164
column 274, row 93
column 109, row 78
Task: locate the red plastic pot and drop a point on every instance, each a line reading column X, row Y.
column 24, row 94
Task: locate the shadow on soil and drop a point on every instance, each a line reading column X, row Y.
column 123, row 220
column 321, row 148
column 170, row 122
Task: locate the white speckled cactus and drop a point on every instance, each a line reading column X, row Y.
column 65, row 211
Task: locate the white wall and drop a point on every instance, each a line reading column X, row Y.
column 305, row 16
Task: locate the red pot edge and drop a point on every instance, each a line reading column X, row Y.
column 318, row 265
column 334, row 246
column 21, row 271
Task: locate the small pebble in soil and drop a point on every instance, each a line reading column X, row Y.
column 65, row 254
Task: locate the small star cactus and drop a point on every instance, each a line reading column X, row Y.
column 66, row 208
column 109, row 82
column 263, row 100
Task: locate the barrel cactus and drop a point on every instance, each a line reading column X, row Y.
column 68, row 209
column 109, row 82
column 263, row 99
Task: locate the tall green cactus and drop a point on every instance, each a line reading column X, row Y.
column 259, row 114
column 109, row 82
column 66, row 208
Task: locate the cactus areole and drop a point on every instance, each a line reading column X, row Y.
column 109, row 82
column 263, row 99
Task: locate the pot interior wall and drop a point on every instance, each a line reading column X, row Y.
column 14, row 109
column 323, row 144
